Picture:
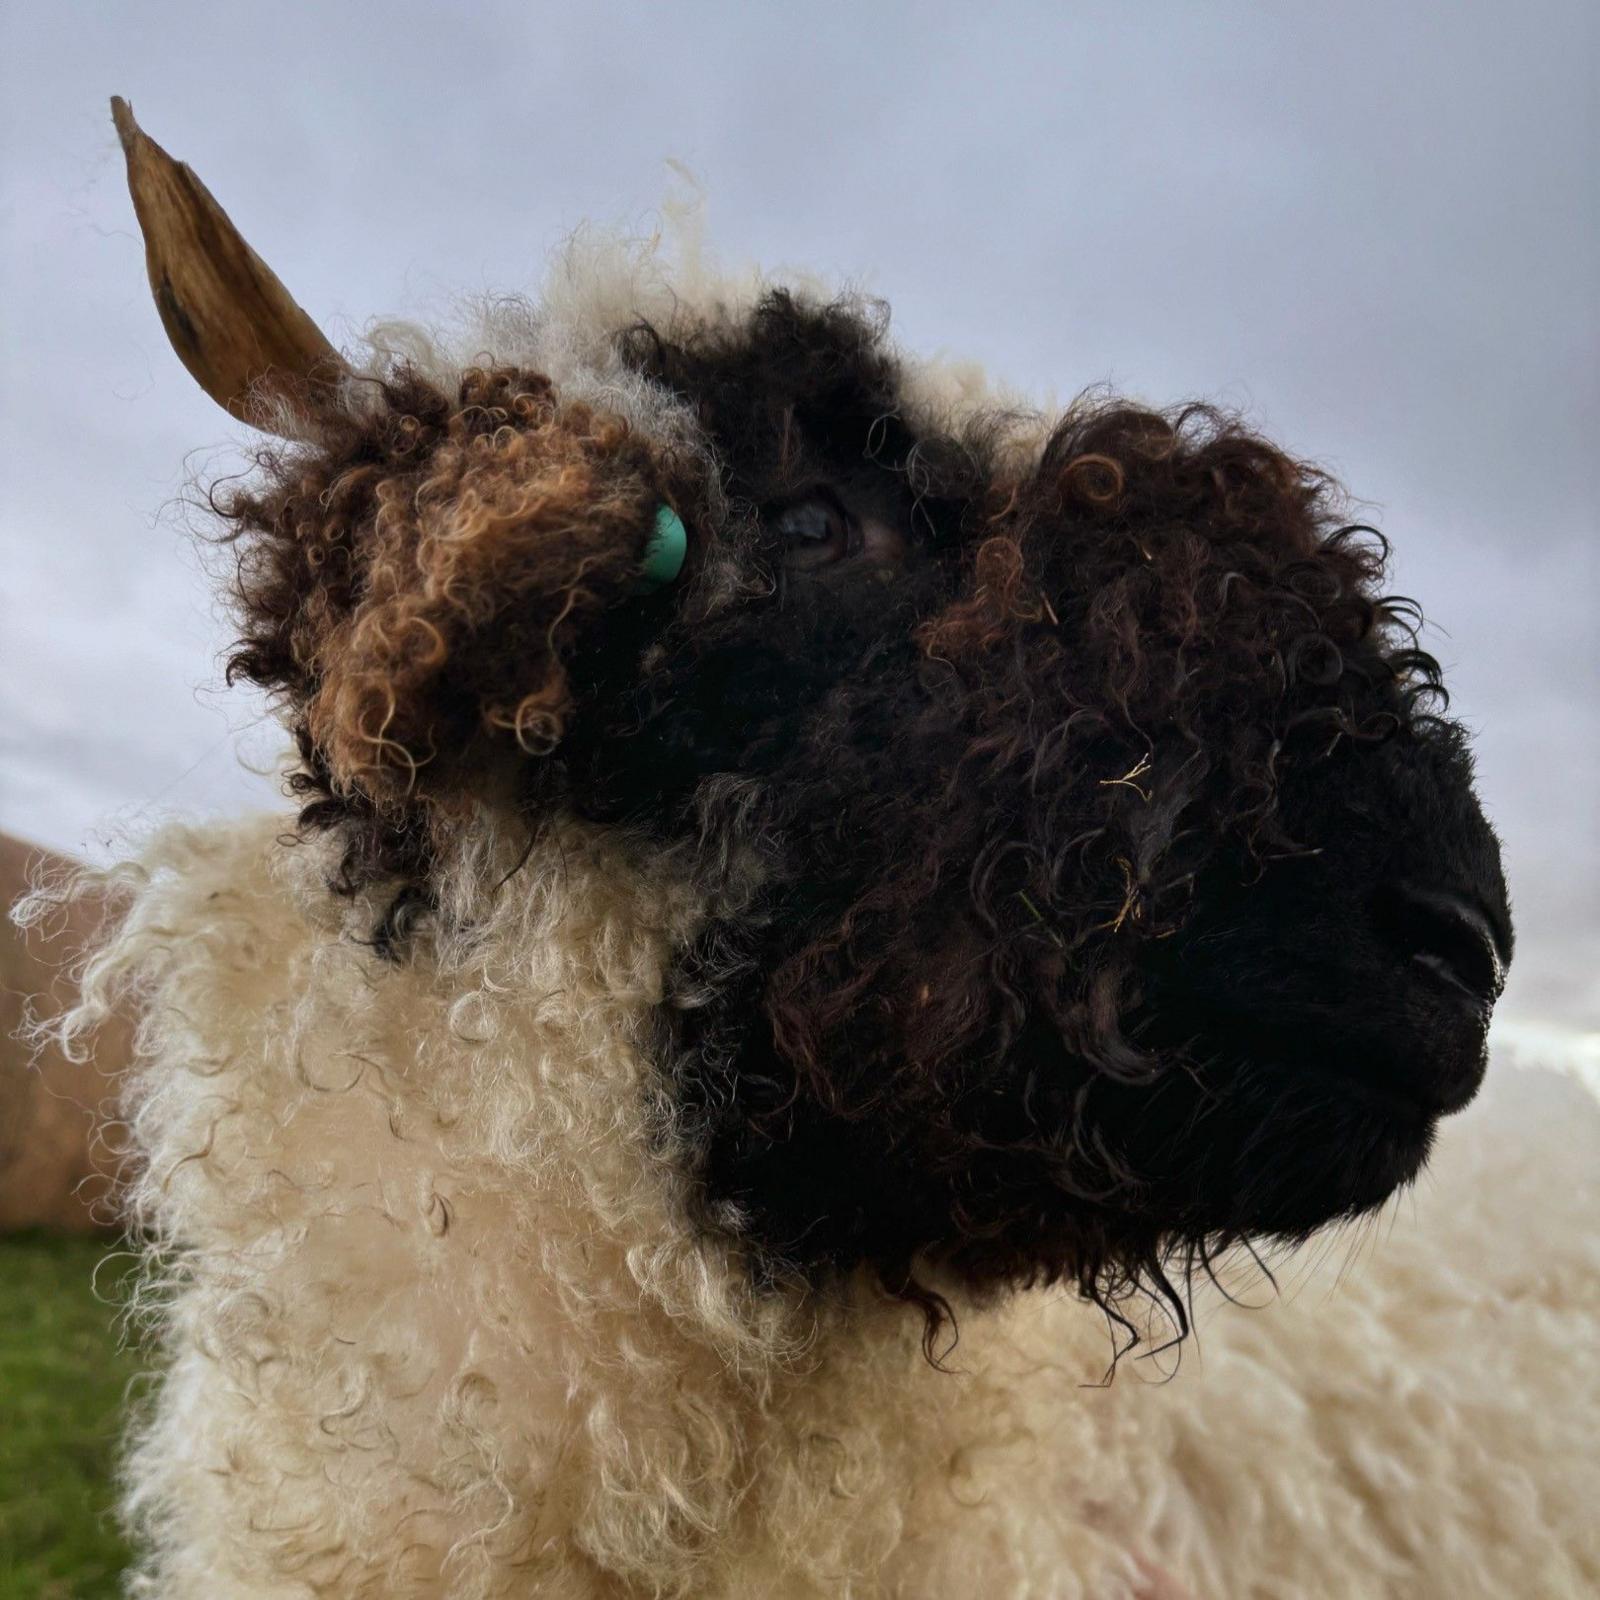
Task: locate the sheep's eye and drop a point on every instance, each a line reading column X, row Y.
column 815, row 533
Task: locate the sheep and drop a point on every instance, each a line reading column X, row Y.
column 53, row 1172
column 826, row 912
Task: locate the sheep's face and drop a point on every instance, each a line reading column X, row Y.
column 1123, row 893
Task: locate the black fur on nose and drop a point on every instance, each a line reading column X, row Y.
column 1445, row 933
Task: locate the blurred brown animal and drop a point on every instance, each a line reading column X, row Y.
column 55, row 1171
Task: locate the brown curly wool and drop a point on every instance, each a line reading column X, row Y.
column 414, row 588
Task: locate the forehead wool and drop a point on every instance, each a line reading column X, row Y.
column 603, row 282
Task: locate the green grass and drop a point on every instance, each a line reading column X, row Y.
column 62, row 1383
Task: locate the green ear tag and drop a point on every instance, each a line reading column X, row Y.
column 667, row 551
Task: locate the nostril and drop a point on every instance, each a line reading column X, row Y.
column 1447, row 937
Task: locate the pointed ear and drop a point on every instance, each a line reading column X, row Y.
column 232, row 323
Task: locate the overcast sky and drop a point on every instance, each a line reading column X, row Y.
column 1376, row 227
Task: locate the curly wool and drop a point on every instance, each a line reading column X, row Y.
column 430, row 1305
column 436, row 1325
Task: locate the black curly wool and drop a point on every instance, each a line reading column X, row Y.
column 1070, row 967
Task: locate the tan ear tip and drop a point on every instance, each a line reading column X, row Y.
column 231, row 322
column 122, row 115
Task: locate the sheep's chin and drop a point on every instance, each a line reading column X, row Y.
column 1348, row 1151
column 1231, row 1139
column 1314, row 1147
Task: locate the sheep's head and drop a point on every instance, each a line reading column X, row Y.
column 1124, row 887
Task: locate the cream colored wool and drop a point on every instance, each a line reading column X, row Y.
column 599, row 284
column 436, row 1326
